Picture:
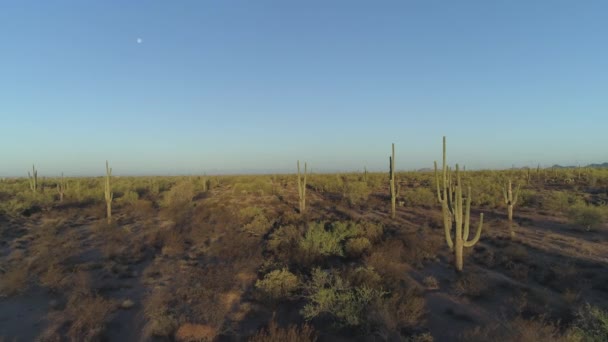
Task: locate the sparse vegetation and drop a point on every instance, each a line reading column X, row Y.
column 206, row 260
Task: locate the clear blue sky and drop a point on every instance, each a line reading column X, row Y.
column 233, row 86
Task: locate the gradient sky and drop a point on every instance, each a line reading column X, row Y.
column 242, row 86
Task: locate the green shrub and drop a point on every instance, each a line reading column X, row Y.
column 256, row 221
column 559, row 201
column 319, row 242
column 420, row 197
column 323, row 240
column 330, row 294
column 258, row 186
column 588, row 217
column 129, row 197
column 356, row 192
column 591, row 325
column 278, row 284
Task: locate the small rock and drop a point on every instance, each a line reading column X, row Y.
column 126, row 304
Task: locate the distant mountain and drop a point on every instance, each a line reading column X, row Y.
column 598, row 165
column 556, row 166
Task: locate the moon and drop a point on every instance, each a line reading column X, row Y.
column 139, row 40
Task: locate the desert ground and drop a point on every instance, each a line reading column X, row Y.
column 237, row 258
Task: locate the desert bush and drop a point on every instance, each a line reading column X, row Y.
column 292, row 333
column 278, row 285
column 180, row 195
column 328, row 293
column 387, row 260
column 356, row 192
column 129, row 197
column 85, row 315
column 591, row 325
column 143, row 208
column 256, row 222
column 404, row 308
column 487, row 192
column 424, row 197
column 559, row 201
column 159, row 313
column 326, row 239
column 259, row 186
column 319, row 242
column 363, row 276
column 327, row 183
column 284, row 241
column 357, row 246
column 370, row 230
column 517, row 330
column 471, row 284
column 587, row 217
column 529, row 198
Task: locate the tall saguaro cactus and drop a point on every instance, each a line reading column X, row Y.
column 61, row 187
column 510, row 201
column 302, row 188
column 394, row 192
column 109, row 195
column 455, row 212
column 33, row 178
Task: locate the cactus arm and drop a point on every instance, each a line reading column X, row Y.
column 447, row 226
column 465, row 234
column 437, row 182
column 516, row 195
column 477, row 234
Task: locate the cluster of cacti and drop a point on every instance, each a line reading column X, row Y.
column 33, row 178
column 302, row 188
column 455, row 214
column 393, row 188
column 61, row 187
column 510, row 201
column 109, row 195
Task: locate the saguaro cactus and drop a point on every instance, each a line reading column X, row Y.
column 302, row 188
column 394, row 192
column 33, row 178
column 61, row 187
column 109, row 195
column 510, row 201
column 454, row 213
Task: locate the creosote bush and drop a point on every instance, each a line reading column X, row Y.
column 330, row 294
column 587, row 217
column 330, row 239
column 180, row 195
column 591, row 325
column 423, row 197
column 356, row 192
column 278, row 285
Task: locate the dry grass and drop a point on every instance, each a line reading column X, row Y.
column 84, row 317
column 13, row 281
column 292, row 333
